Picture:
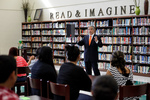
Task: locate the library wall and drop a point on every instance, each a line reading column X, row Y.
column 63, row 6
column 11, row 17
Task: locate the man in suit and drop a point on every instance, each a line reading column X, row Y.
column 91, row 43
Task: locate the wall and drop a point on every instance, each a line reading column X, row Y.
column 11, row 17
column 62, row 6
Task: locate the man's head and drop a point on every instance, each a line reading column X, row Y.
column 91, row 30
column 13, row 51
column 7, row 71
column 104, row 88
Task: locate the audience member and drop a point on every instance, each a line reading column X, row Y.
column 44, row 69
column 104, row 88
column 36, row 58
column 73, row 75
column 21, row 62
column 122, row 74
column 7, row 78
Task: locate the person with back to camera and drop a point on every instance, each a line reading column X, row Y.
column 104, row 88
column 72, row 74
column 21, row 62
column 91, row 43
column 44, row 69
column 8, row 78
column 122, row 74
column 35, row 59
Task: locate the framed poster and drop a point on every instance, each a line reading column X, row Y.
column 38, row 13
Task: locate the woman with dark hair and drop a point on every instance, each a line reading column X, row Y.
column 44, row 69
column 20, row 61
column 73, row 75
column 123, row 75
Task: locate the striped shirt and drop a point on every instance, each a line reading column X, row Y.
column 7, row 94
column 21, row 62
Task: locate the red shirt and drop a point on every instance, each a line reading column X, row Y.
column 21, row 62
column 7, row 94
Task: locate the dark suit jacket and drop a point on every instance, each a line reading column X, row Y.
column 90, row 52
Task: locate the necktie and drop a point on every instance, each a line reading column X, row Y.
column 90, row 39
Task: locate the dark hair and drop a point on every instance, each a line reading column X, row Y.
column 13, row 51
column 72, row 52
column 118, row 61
column 45, row 55
column 104, row 88
column 38, row 50
column 7, row 66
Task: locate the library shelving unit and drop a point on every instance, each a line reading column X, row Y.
column 129, row 34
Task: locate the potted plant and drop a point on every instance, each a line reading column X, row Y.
column 137, row 10
column 25, row 6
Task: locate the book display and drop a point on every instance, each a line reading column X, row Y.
column 129, row 34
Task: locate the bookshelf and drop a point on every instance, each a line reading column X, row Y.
column 129, row 34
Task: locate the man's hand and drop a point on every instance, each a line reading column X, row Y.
column 96, row 39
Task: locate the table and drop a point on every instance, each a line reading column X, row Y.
column 33, row 97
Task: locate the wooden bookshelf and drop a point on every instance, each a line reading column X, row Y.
column 129, row 34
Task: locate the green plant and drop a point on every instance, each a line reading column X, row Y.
column 137, row 3
column 25, row 4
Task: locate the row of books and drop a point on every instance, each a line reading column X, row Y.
column 47, row 39
column 59, row 39
column 106, row 40
column 58, row 25
column 81, row 48
column 84, row 32
column 26, row 38
column 103, row 65
column 75, row 23
column 28, row 26
column 35, row 32
column 81, row 63
column 47, row 25
column 141, row 40
column 87, row 24
column 141, row 49
column 59, row 53
column 103, row 32
column 59, row 32
column 58, row 61
column 35, row 26
column 48, row 44
column 68, row 39
column 141, row 59
column 124, row 49
column 47, row 32
column 122, row 40
column 26, row 44
column 36, row 45
column 141, row 69
column 141, row 31
column 104, row 23
column 58, row 46
column 141, row 21
column 105, row 48
column 122, row 31
column 122, row 22
column 26, row 33
column 36, row 39
column 102, row 56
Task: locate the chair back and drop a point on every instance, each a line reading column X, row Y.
column 60, row 89
column 132, row 91
column 22, row 70
column 36, row 84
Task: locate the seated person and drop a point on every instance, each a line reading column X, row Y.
column 7, row 78
column 35, row 59
column 104, row 88
column 21, row 62
column 44, row 69
column 122, row 74
column 73, row 75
